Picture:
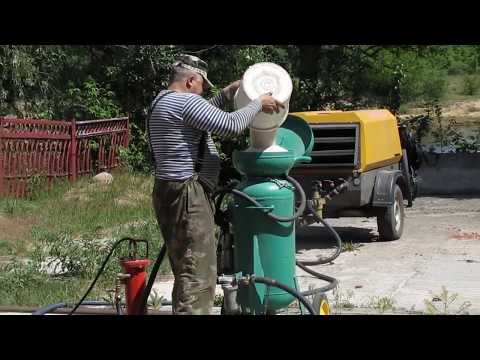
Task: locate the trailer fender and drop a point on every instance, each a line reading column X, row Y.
column 383, row 190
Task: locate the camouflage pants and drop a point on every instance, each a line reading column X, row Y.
column 185, row 215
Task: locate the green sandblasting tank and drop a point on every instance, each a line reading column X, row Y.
column 263, row 246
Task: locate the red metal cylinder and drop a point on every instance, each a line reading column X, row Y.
column 135, row 284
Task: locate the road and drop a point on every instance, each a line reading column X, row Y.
column 440, row 246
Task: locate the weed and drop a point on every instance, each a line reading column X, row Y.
column 350, row 246
column 446, row 301
column 36, row 185
column 9, row 205
column 218, row 301
column 381, row 304
column 342, row 300
column 155, row 301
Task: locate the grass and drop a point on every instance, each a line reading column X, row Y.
column 445, row 300
column 342, row 300
column 455, row 91
column 461, row 87
column 381, row 304
column 350, row 246
column 74, row 224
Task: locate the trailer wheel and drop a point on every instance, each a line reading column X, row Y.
column 390, row 222
column 320, row 304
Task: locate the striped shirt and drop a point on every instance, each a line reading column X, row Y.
column 176, row 126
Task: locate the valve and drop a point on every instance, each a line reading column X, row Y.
column 134, row 278
column 318, row 201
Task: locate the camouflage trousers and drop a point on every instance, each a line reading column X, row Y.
column 185, row 214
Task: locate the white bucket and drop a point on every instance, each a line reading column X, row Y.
column 264, row 140
column 258, row 80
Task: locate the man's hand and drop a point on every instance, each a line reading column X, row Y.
column 269, row 104
column 230, row 90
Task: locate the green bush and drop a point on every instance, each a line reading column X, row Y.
column 471, row 84
column 434, row 85
column 458, row 68
column 137, row 157
column 91, row 101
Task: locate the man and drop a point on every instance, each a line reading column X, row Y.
column 187, row 167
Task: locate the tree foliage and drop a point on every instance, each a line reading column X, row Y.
column 108, row 80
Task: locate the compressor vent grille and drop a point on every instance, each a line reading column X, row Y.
column 335, row 145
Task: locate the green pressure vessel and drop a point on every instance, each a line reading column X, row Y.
column 263, row 246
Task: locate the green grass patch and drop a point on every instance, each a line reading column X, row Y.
column 32, row 289
column 74, row 227
column 461, row 87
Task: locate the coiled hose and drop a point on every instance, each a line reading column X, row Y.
column 333, row 283
column 304, row 205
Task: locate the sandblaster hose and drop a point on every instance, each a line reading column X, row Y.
column 146, row 293
column 100, row 271
column 304, row 204
column 333, row 283
column 153, row 275
column 293, row 292
column 50, row 308
column 335, row 234
column 298, row 213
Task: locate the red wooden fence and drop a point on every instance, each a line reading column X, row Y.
column 56, row 149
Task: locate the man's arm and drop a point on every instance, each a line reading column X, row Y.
column 219, row 100
column 200, row 114
column 225, row 95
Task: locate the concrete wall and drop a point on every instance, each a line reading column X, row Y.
column 448, row 174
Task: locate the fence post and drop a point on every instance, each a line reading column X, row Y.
column 125, row 144
column 72, row 159
column 2, row 160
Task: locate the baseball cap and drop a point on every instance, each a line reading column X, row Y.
column 195, row 64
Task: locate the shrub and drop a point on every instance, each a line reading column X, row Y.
column 471, row 84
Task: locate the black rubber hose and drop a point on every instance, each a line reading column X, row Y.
column 153, row 275
column 298, row 213
column 100, row 271
column 333, row 283
column 335, row 234
column 50, row 308
column 293, row 292
column 118, row 308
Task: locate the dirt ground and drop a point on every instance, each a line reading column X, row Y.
column 440, row 246
column 464, row 112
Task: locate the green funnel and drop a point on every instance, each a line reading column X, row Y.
column 296, row 136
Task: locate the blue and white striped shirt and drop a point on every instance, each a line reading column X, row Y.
column 176, row 126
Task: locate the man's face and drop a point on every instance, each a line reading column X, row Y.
column 195, row 84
